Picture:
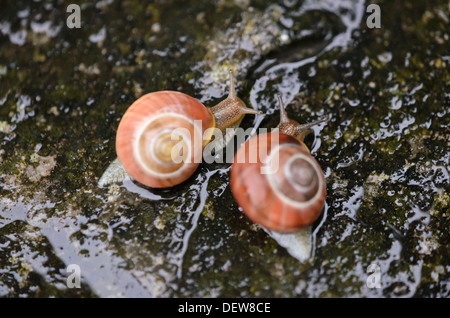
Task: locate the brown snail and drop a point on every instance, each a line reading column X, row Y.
column 145, row 142
column 284, row 188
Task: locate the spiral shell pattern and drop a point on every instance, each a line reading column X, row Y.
column 291, row 192
column 158, row 141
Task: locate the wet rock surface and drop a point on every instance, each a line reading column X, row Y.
column 385, row 151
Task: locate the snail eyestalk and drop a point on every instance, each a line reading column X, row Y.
column 283, row 116
column 232, row 92
column 246, row 110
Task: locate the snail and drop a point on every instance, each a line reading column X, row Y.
column 284, row 188
column 161, row 136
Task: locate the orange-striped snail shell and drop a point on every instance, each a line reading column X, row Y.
column 283, row 188
column 145, row 142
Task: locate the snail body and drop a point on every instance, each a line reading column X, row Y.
column 161, row 136
column 284, row 188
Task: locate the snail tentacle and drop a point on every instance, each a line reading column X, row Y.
column 232, row 90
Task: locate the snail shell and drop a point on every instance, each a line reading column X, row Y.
column 291, row 195
column 144, row 142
